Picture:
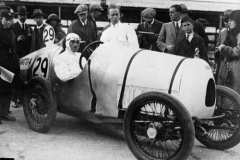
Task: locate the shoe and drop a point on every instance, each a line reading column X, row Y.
column 8, row 118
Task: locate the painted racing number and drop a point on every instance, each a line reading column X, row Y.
column 40, row 67
column 48, row 35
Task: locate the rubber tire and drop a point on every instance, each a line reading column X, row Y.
column 235, row 139
column 177, row 106
column 53, row 105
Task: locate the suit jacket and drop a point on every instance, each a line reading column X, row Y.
column 37, row 39
column 149, row 41
column 22, row 47
column 199, row 29
column 186, row 49
column 167, row 36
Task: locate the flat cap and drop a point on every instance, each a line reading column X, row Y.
column 95, row 7
column 148, row 13
column 82, row 8
column 227, row 13
column 7, row 14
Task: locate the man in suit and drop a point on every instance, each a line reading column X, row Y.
column 151, row 25
column 23, row 43
column 170, row 31
column 190, row 44
column 198, row 27
column 22, row 32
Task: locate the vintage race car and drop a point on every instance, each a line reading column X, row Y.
column 163, row 101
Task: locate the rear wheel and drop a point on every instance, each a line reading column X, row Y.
column 157, row 126
column 39, row 104
column 225, row 132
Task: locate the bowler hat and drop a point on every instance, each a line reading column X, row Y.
column 95, row 7
column 7, row 14
column 82, row 8
column 184, row 9
column 148, row 13
column 3, row 6
column 21, row 10
column 53, row 17
column 38, row 12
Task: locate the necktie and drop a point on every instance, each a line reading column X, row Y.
column 23, row 27
column 177, row 27
column 188, row 37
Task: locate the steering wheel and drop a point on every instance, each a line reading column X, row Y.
column 88, row 50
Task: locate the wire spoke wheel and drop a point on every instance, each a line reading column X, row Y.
column 155, row 128
column 39, row 104
column 225, row 132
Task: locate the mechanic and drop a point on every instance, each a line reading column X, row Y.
column 119, row 32
column 66, row 65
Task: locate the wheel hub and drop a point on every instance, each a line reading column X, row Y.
column 152, row 132
column 33, row 103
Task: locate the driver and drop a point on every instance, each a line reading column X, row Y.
column 66, row 65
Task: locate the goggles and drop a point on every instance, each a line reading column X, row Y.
column 74, row 40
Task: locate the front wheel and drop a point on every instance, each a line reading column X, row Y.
column 158, row 126
column 39, row 104
column 225, row 132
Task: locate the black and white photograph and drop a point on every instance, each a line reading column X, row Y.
column 119, row 80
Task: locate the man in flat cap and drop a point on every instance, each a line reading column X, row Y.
column 198, row 27
column 83, row 27
column 95, row 11
column 38, row 39
column 148, row 30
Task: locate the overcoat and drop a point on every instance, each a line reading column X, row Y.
column 8, row 57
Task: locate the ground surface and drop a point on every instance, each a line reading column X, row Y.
column 74, row 139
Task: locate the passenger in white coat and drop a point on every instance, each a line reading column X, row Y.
column 119, row 32
column 66, row 65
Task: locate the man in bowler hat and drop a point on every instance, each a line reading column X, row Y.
column 150, row 25
column 22, row 40
column 37, row 36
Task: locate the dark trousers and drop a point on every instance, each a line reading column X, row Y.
column 4, row 105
